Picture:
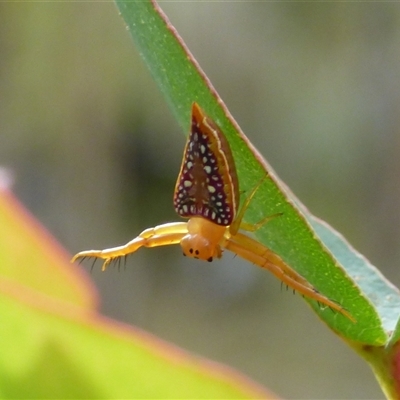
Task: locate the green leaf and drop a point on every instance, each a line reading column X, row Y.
column 313, row 249
column 54, row 344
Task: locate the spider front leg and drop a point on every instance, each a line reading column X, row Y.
column 237, row 223
column 260, row 255
column 161, row 235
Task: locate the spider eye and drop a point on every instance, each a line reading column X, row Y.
column 191, row 251
column 209, row 259
column 196, row 252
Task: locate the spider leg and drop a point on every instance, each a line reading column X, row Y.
column 238, row 220
column 253, row 227
column 258, row 249
column 161, row 235
column 255, row 252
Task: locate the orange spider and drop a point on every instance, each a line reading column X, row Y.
column 207, row 192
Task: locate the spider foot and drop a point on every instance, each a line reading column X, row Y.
column 94, row 254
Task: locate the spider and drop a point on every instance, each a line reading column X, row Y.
column 207, row 193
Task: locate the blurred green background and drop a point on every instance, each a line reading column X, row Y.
column 93, row 151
